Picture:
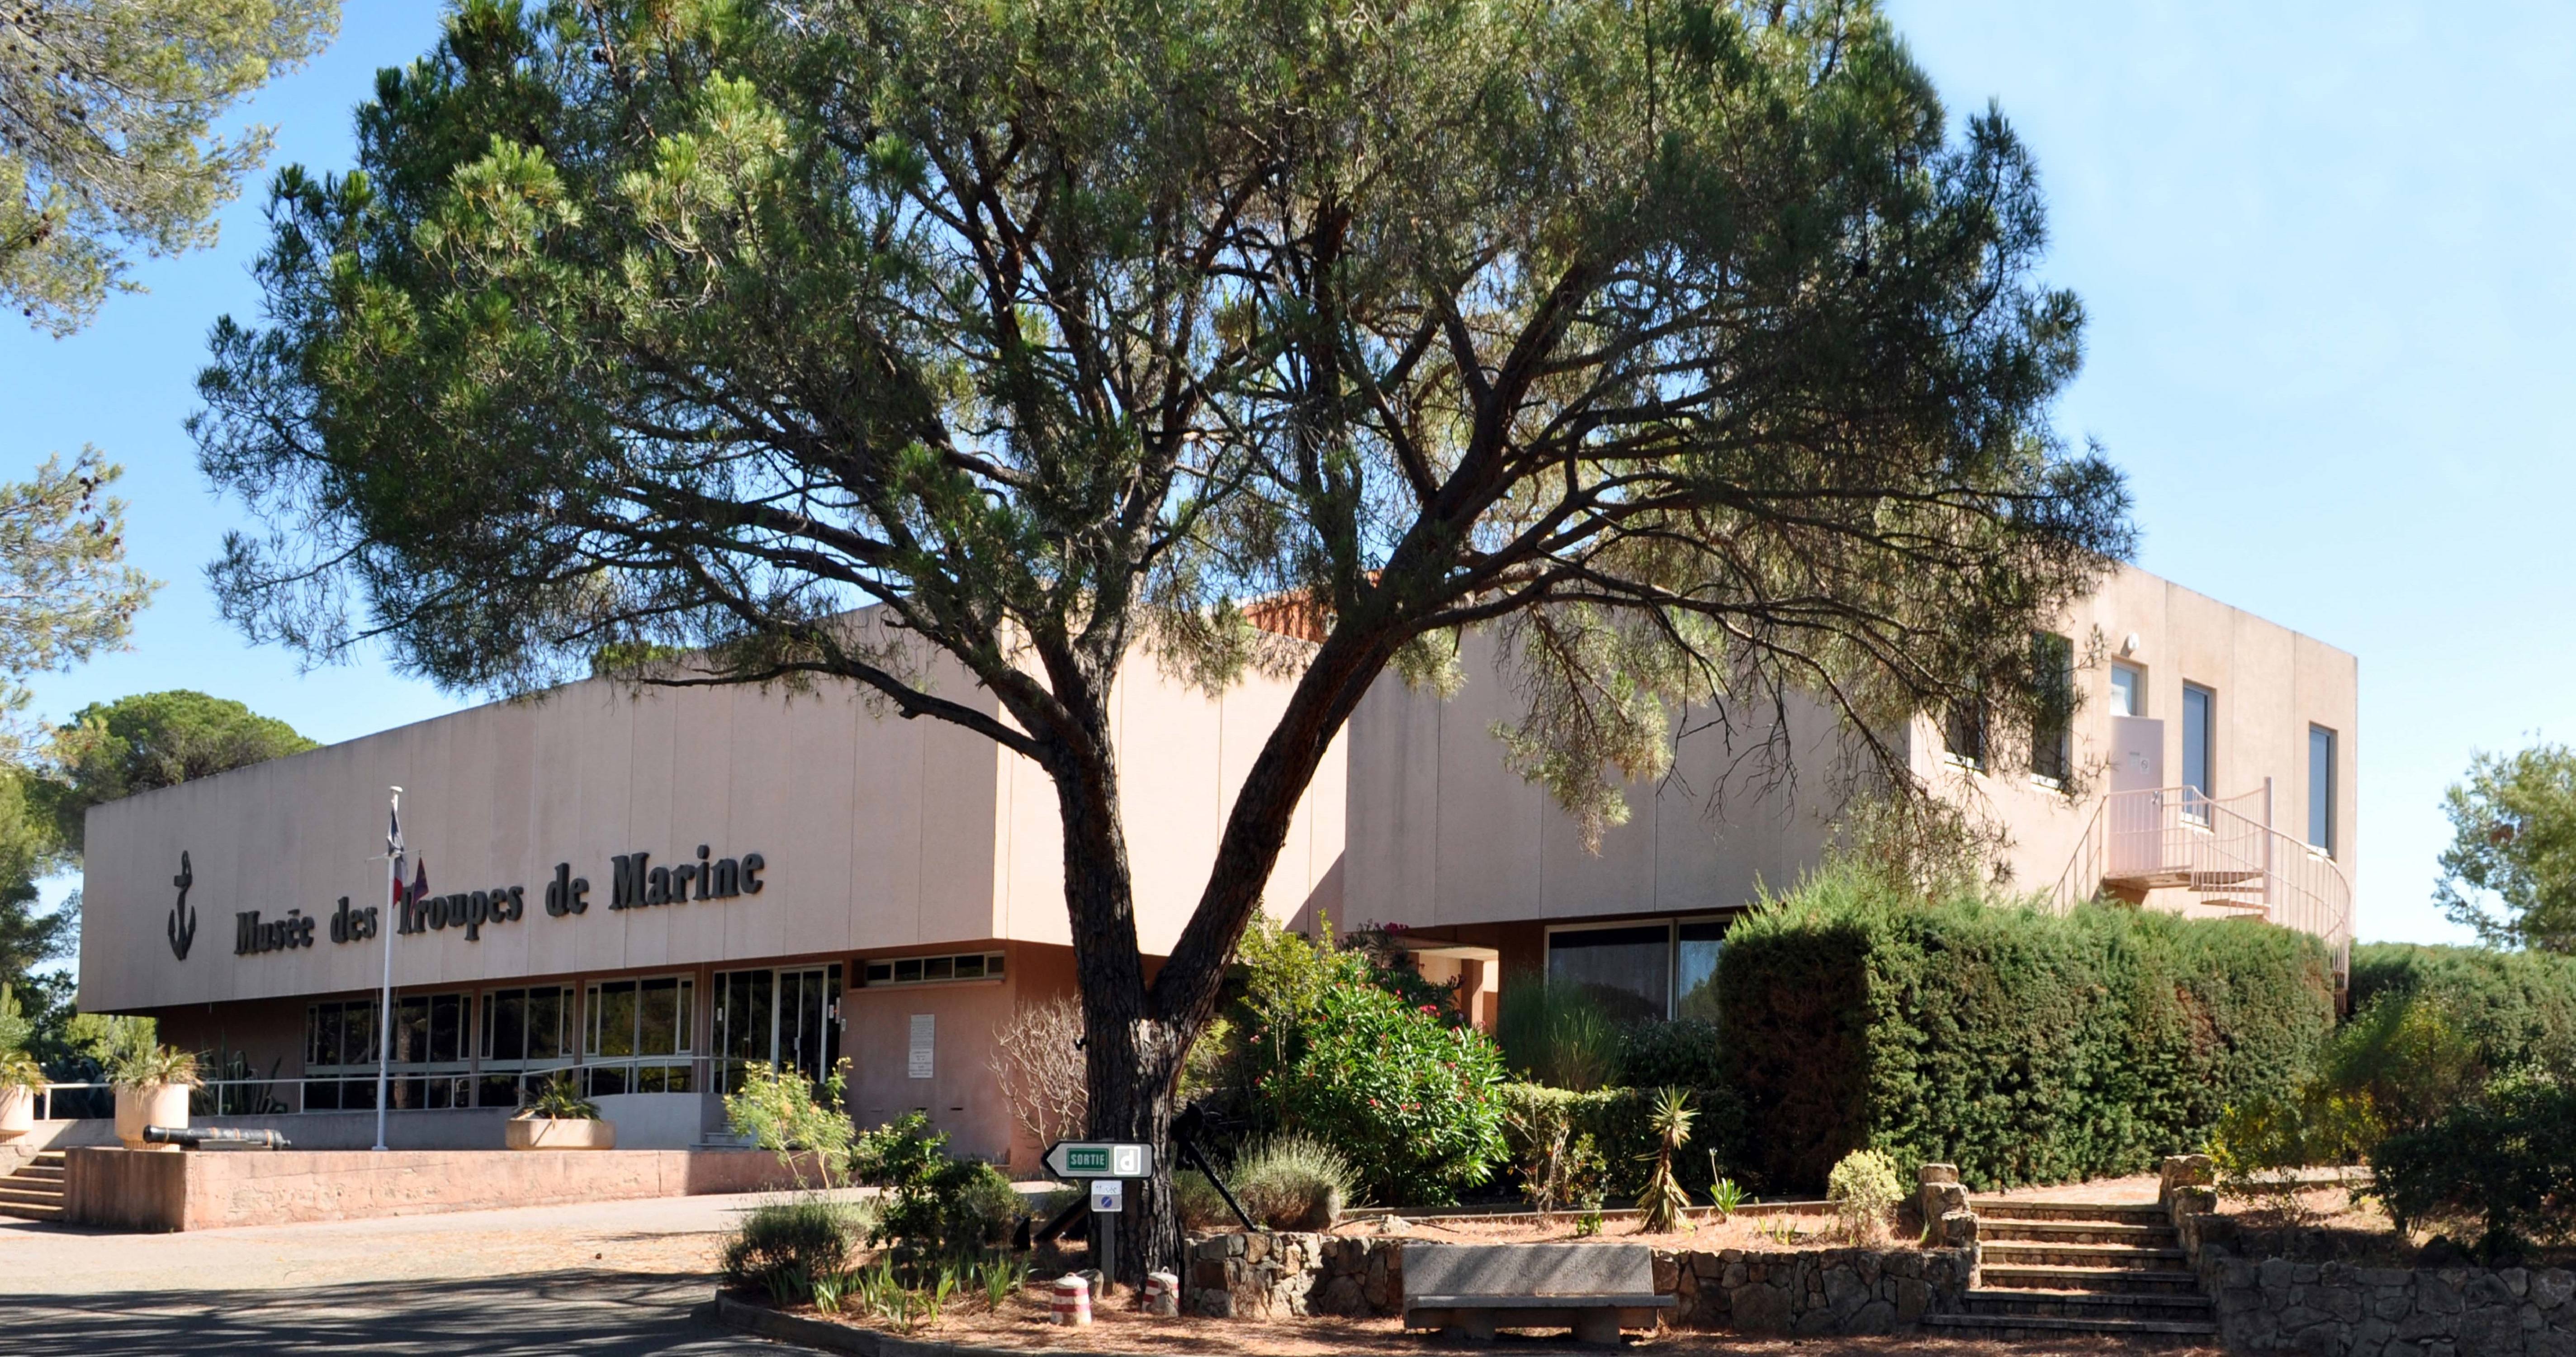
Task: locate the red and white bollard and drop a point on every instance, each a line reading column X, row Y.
column 1071, row 1306
column 1162, row 1294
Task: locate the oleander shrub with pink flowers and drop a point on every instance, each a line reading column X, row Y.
column 1404, row 1092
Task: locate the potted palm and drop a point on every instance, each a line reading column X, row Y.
column 20, row 1076
column 20, row 1079
column 559, row 1119
column 152, row 1083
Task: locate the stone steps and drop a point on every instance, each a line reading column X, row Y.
column 2061, row 1269
column 35, row 1191
column 2014, row 1208
column 2128, row 1256
column 2042, row 1326
column 2101, row 1280
column 2006, row 1302
column 2075, row 1232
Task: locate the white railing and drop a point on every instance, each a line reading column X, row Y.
column 2175, row 838
column 289, row 1095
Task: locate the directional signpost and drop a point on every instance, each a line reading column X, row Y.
column 1099, row 1159
column 1106, row 1165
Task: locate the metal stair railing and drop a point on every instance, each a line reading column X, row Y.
column 2178, row 838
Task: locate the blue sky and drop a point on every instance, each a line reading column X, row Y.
column 2322, row 246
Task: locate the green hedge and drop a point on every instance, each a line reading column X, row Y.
column 1615, row 1118
column 2520, row 1007
column 2020, row 1045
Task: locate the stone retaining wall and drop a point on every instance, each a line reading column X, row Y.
column 1832, row 1291
column 2335, row 1309
column 2342, row 1310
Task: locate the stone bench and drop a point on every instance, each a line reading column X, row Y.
column 1473, row 1289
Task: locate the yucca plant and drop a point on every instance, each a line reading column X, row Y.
column 1660, row 1210
column 558, row 1101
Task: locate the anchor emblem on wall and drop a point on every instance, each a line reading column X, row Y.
column 183, row 920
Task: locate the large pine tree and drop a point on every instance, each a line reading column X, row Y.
column 1690, row 344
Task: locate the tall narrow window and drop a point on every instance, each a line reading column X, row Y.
column 2198, row 713
column 2128, row 690
column 1964, row 733
column 2052, row 666
column 2321, row 788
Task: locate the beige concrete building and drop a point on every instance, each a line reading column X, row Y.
column 654, row 888
column 2173, row 691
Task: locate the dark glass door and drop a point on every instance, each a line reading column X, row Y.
column 786, row 1018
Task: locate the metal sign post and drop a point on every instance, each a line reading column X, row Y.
column 1104, row 1166
column 1108, row 1200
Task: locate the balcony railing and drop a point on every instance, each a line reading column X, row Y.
column 2176, row 838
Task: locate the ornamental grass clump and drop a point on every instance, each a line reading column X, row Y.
column 1290, row 1182
column 1864, row 1190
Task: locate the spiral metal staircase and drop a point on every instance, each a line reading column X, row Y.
column 2225, row 854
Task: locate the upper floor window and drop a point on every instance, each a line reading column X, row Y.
column 2199, row 720
column 2052, row 745
column 1963, row 733
column 2128, row 690
column 2321, row 788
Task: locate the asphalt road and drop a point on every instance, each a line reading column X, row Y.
column 619, row 1314
column 606, row 1278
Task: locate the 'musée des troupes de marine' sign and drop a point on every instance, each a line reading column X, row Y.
column 635, row 882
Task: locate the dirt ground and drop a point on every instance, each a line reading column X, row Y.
column 1023, row 1323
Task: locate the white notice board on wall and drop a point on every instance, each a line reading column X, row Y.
column 925, row 1038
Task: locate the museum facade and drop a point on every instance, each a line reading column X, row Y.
column 648, row 890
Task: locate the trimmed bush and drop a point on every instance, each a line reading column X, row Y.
column 2520, row 1007
column 2023, row 1046
column 1620, row 1123
column 1681, row 1053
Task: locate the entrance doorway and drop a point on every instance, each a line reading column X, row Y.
column 789, row 1017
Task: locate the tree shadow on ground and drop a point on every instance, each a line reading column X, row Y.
column 598, row 1314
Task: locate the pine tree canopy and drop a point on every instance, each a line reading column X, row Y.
column 1692, row 346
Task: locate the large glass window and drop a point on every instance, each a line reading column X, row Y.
column 1640, row 971
column 2321, row 788
column 2052, row 665
column 1695, row 948
column 2199, row 712
column 628, row 1023
column 525, row 1035
column 428, row 1059
column 1626, row 970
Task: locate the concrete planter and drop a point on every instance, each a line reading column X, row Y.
column 150, row 1105
column 558, row 1133
column 17, row 1111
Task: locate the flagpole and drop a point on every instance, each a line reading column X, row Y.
column 385, row 1007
